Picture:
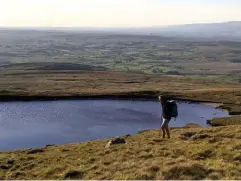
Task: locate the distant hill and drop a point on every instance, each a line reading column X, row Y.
column 225, row 30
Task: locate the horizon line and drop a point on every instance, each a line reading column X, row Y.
column 112, row 27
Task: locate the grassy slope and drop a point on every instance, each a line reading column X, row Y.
column 214, row 155
column 233, row 120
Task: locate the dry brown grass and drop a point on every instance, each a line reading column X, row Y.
column 144, row 156
column 30, row 84
column 233, row 120
column 85, row 82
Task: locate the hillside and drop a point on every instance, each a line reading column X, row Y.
column 200, row 153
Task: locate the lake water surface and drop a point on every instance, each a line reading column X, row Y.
column 35, row 124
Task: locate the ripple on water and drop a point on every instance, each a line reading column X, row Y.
column 36, row 124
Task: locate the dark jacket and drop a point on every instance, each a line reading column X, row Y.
column 166, row 110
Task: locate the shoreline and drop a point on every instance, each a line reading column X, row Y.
column 131, row 96
column 127, row 96
column 216, row 105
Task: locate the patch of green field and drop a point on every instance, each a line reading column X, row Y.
column 192, row 57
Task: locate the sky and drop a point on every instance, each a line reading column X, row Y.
column 115, row 13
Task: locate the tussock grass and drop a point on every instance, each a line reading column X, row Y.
column 145, row 156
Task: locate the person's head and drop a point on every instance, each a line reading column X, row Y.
column 162, row 99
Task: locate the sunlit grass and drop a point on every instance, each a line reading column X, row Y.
column 144, row 156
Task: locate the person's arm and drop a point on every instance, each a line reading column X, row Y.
column 162, row 105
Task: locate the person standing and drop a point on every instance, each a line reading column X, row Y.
column 166, row 115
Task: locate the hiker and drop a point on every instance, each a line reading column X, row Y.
column 169, row 110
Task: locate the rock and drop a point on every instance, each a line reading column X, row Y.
column 187, row 135
column 114, row 141
column 118, row 140
column 34, row 151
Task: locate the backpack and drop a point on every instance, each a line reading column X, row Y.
column 173, row 105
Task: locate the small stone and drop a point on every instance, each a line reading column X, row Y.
column 114, row 141
column 118, row 141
